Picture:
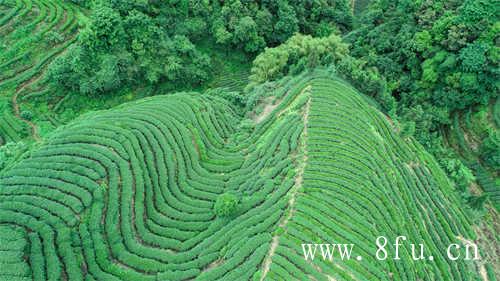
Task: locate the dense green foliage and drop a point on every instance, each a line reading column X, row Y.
column 438, row 56
column 297, row 54
column 226, row 205
column 128, row 43
column 115, row 50
column 301, row 53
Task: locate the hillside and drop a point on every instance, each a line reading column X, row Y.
column 474, row 135
column 129, row 193
column 32, row 35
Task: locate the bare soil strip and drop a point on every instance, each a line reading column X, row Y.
column 291, row 202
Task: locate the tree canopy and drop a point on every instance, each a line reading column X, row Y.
column 438, row 56
column 127, row 42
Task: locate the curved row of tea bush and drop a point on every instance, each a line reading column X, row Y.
column 362, row 181
column 129, row 194
column 11, row 129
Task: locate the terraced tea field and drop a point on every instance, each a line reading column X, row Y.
column 129, row 193
column 32, row 34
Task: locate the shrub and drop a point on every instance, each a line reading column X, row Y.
column 226, row 205
column 54, row 38
column 459, row 173
column 477, row 202
column 27, row 115
column 490, row 149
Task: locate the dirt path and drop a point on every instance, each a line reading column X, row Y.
column 24, row 85
column 17, row 113
column 291, row 202
column 16, row 107
column 481, row 267
column 268, row 108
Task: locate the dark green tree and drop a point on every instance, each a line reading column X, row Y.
column 226, row 205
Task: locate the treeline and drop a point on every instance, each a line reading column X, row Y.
column 304, row 52
column 135, row 42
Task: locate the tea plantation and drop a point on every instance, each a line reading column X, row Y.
column 182, row 187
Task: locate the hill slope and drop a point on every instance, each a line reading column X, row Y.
column 128, row 194
column 468, row 134
column 32, row 34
